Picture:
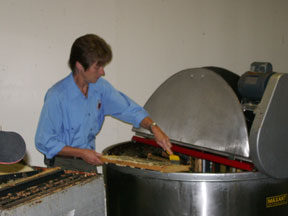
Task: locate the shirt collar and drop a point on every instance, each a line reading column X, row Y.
column 74, row 89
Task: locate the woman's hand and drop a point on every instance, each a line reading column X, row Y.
column 90, row 156
column 162, row 139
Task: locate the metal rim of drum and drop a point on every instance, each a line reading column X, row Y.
column 211, row 177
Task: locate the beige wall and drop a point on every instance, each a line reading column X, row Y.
column 151, row 40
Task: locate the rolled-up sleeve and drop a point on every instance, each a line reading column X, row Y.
column 122, row 107
column 48, row 138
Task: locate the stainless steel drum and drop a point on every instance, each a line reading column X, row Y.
column 141, row 192
column 200, row 109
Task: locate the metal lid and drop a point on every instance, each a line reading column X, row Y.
column 13, row 147
column 197, row 107
column 269, row 132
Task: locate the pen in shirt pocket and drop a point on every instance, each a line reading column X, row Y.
column 99, row 105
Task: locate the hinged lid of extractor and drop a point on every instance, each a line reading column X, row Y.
column 269, row 132
column 198, row 108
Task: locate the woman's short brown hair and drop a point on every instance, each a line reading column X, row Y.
column 89, row 49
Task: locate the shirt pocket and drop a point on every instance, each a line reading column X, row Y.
column 95, row 113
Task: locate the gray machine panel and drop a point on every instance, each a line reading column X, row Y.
column 196, row 107
column 269, row 133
